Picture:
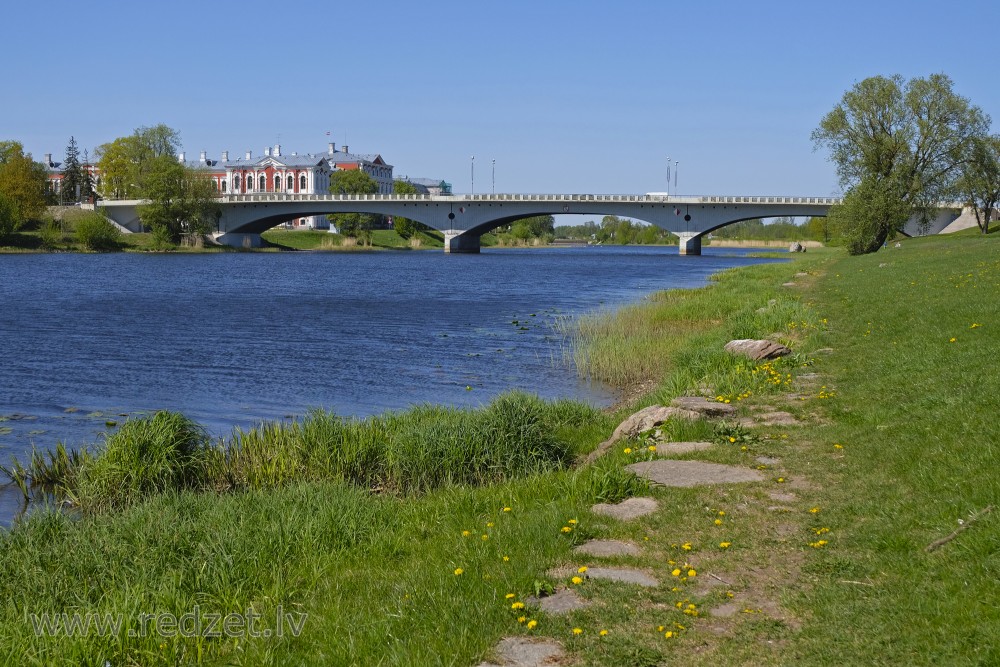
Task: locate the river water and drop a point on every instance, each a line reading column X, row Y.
column 235, row 338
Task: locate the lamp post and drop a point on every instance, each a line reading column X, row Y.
column 494, row 177
column 676, row 169
column 668, row 176
column 473, row 159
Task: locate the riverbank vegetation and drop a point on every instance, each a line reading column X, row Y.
column 401, row 536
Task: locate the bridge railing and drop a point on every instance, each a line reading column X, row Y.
column 507, row 197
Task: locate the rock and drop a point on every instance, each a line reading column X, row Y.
column 692, row 473
column 768, row 460
column 801, row 274
column 525, row 652
column 607, row 548
column 623, row 574
column 789, row 284
column 757, row 350
column 782, row 497
column 776, row 419
column 627, row 510
column 649, row 418
column 672, row 448
column 562, row 602
column 795, row 246
column 703, row 406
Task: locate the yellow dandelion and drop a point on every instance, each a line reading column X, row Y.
column 506, row 559
column 718, row 522
column 660, row 628
column 510, row 596
column 485, row 536
column 652, row 448
column 781, row 480
column 603, row 633
column 517, row 605
column 676, row 572
column 566, row 529
column 582, row 569
column 466, row 533
column 489, row 524
column 506, row 509
column 670, row 633
column 572, row 522
column 577, row 631
column 577, row 580
column 692, row 572
column 724, row 545
column 732, row 439
column 952, row 340
column 627, row 450
column 814, row 510
column 522, row 619
column 531, row 624
column 721, row 513
column 458, row 571
column 686, row 546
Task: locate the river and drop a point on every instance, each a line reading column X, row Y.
column 235, row 338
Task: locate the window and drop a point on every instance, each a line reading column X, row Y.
column 263, row 183
column 223, row 185
column 249, row 183
column 277, row 182
column 291, row 182
column 302, row 182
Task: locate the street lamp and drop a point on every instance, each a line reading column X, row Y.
column 473, row 158
column 668, row 176
column 494, row 176
column 677, row 166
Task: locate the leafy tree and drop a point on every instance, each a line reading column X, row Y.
column 10, row 216
column 126, row 162
column 353, row 182
column 23, row 181
column 980, row 182
column 181, row 200
column 404, row 226
column 87, row 184
column 72, row 181
column 902, row 139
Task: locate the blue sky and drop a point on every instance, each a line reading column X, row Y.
column 566, row 96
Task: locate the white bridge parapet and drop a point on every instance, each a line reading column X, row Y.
column 464, row 218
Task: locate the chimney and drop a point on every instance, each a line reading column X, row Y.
column 331, row 148
column 267, row 152
column 48, row 159
column 225, row 156
column 344, row 149
column 203, row 157
column 249, row 155
column 181, row 157
column 277, row 150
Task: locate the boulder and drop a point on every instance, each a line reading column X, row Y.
column 649, row 418
column 703, row 406
column 757, row 349
column 795, row 246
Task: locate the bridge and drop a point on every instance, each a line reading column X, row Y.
column 465, row 218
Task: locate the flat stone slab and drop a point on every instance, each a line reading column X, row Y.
column 777, row 418
column 768, row 460
column 703, row 406
column 562, row 602
column 627, row 510
column 525, row 652
column 669, row 448
column 624, row 574
column 693, row 473
column 607, row 548
column 782, row 497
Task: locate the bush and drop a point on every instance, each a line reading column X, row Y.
column 10, row 216
column 95, row 232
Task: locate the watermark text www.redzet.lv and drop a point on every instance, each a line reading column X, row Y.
column 195, row 623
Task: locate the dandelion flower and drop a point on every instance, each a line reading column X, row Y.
column 517, row 605
column 485, row 536
column 510, row 596
column 724, row 545
column 781, row 480
column 566, row 529
column 692, row 572
column 572, row 522
column 660, row 628
column 652, row 448
column 952, row 340
column 721, row 513
column 836, row 446
column 582, row 569
column 489, row 524
column 466, row 533
column 577, row 580
column 814, row 510
column 458, row 571
column 686, row 546
column 603, row 633
column 718, row 522
column 676, row 572
column 627, row 450
column 531, row 624
column 732, row 439
column 506, row 559
column 577, row 631
column 506, row 509
column 670, row 633
column 522, row 619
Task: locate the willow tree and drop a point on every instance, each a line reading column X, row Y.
column 980, row 182
column 901, row 145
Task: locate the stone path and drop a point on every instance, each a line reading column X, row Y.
column 623, row 574
column 525, row 652
column 692, row 473
column 627, row 510
column 607, row 548
column 561, row 602
column 673, row 448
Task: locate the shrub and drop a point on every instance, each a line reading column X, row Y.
column 95, row 232
column 10, row 216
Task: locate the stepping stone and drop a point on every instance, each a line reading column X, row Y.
column 627, row 575
column 692, row 473
column 626, row 510
column 704, row 406
column 777, row 419
column 669, row 448
column 768, row 460
column 562, row 602
column 525, row 652
column 727, row 610
column 788, row 284
column 782, row 497
column 607, row 548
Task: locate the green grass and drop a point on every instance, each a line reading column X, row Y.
column 382, row 239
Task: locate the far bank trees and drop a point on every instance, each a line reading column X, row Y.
column 899, row 147
column 353, row 182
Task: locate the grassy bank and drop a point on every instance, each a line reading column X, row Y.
column 395, row 538
column 382, row 239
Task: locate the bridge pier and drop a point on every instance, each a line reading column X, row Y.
column 239, row 240
column 464, row 242
column 689, row 243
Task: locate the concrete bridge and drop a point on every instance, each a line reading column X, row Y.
column 464, row 218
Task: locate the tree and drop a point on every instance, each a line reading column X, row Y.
column 404, row 226
column 72, row 180
column 870, row 208
column 23, row 181
column 353, row 182
column 126, row 162
column 980, row 182
column 181, row 200
column 10, row 216
column 895, row 138
column 95, row 232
